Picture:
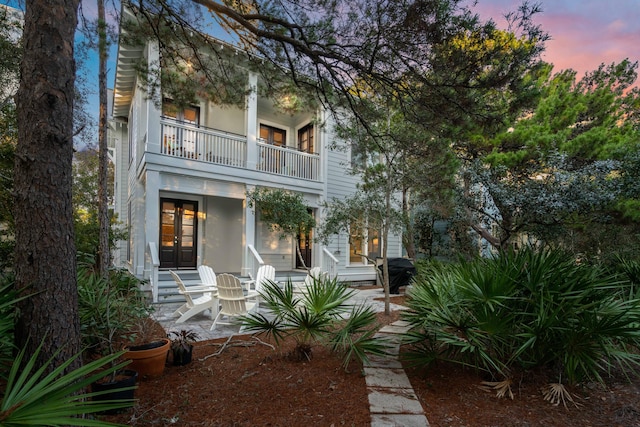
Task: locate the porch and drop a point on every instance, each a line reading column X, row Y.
column 168, row 291
column 192, row 142
column 163, row 289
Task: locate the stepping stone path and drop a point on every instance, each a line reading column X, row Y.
column 392, row 400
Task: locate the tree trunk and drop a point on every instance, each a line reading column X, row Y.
column 385, row 258
column 45, row 253
column 408, row 235
column 103, row 212
column 299, row 253
column 478, row 228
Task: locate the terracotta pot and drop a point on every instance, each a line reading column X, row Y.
column 148, row 359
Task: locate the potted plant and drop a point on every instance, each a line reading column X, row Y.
column 148, row 359
column 115, row 385
column 108, row 306
column 148, row 354
column 182, row 346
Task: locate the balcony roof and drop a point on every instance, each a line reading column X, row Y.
column 125, row 81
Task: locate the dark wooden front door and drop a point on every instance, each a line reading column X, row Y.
column 305, row 241
column 178, row 233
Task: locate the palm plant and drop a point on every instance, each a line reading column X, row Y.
column 8, row 299
column 319, row 314
column 524, row 310
column 630, row 269
column 108, row 307
column 459, row 314
column 33, row 397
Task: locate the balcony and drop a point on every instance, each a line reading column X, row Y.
column 192, row 142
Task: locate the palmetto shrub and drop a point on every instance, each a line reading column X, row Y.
column 320, row 314
column 108, row 307
column 524, row 310
column 29, row 395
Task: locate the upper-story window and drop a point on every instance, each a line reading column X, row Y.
column 305, row 139
column 272, row 135
column 180, row 139
column 189, row 115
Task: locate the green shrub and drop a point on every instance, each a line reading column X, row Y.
column 525, row 310
column 7, row 321
column 33, row 397
column 318, row 315
column 630, row 271
column 30, row 396
column 108, row 307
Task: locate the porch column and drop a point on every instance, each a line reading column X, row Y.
column 252, row 122
column 151, row 215
column 152, row 108
column 249, row 235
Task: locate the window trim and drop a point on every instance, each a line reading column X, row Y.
column 270, row 137
column 310, row 130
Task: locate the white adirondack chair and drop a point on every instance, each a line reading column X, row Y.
column 266, row 273
column 233, row 302
column 192, row 306
column 207, row 276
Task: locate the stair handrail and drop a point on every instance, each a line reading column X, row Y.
column 333, row 262
column 155, row 265
column 254, row 261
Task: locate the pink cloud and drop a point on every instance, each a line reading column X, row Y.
column 584, row 33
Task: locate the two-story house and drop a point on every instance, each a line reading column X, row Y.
column 182, row 175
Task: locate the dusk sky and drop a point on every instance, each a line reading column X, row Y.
column 584, row 33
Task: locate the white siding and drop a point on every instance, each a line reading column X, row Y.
column 222, row 228
column 220, row 189
column 342, row 183
column 227, row 119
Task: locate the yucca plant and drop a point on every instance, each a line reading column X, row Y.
column 320, row 314
column 33, row 397
column 8, row 299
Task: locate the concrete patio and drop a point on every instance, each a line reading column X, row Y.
column 201, row 323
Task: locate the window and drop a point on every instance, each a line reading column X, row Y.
column 272, row 158
column 178, row 139
column 355, row 250
column 373, row 243
column 305, row 139
column 189, row 115
column 273, row 136
column 363, row 243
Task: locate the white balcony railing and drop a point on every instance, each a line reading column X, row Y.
column 288, row 162
column 188, row 141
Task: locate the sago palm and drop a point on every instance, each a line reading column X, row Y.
column 318, row 314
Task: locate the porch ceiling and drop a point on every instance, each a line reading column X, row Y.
column 125, row 80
